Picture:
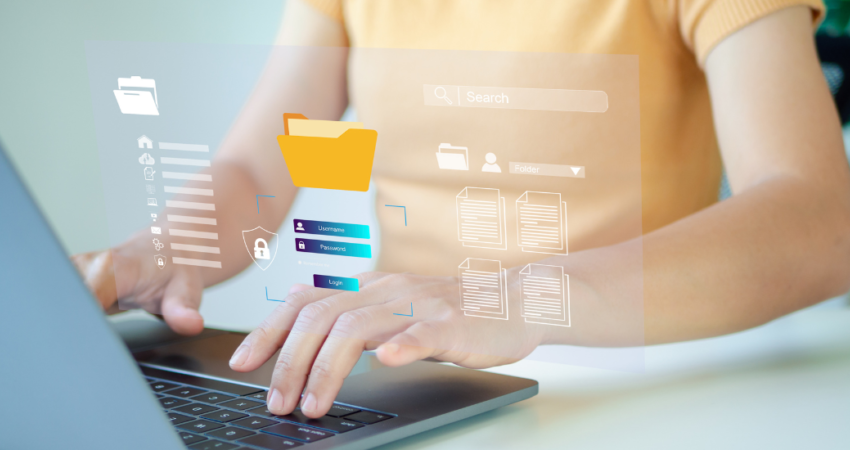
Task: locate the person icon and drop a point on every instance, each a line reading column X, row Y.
column 299, row 227
column 491, row 165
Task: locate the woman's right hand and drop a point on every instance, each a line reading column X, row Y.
column 127, row 276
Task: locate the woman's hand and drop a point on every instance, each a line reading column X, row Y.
column 129, row 274
column 321, row 334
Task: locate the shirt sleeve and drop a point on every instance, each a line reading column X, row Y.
column 705, row 23
column 330, row 8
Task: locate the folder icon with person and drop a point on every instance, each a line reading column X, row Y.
column 327, row 154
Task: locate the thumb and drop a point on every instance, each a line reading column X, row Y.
column 180, row 302
column 98, row 273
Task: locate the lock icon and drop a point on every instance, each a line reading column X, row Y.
column 261, row 252
column 300, row 245
column 160, row 262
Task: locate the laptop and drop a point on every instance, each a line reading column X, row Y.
column 68, row 380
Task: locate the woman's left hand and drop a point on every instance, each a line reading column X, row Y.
column 321, row 334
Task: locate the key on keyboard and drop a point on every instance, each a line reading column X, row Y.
column 177, row 419
column 299, row 432
column 328, row 423
column 214, row 445
column 270, row 442
column 189, row 438
column 240, row 404
column 254, row 423
column 161, row 386
column 212, row 397
column 200, row 426
column 224, row 415
column 230, row 433
column 172, row 402
column 368, row 417
column 185, row 391
column 196, row 409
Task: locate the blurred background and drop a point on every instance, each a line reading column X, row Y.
column 47, row 125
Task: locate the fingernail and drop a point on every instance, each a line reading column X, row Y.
column 309, row 404
column 240, row 356
column 275, row 402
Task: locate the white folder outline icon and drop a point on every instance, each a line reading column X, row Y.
column 138, row 102
column 455, row 158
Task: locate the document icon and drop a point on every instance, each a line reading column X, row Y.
column 452, row 158
column 542, row 223
column 483, row 289
column 481, row 218
column 141, row 99
column 545, row 294
column 327, row 154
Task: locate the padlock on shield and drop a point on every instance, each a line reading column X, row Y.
column 261, row 245
column 261, row 251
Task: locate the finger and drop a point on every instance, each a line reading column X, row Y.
column 264, row 341
column 301, row 346
column 180, row 302
column 97, row 272
column 298, row 287
column 353, row 332
column 421, row 340
column 334, row 362
column 268, row 337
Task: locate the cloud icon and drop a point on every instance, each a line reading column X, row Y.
column 146, row 159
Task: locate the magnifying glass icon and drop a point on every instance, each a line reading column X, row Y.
column 440, row 93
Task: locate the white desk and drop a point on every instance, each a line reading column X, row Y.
column 786, row 385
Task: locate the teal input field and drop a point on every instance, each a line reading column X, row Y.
column 333, row 248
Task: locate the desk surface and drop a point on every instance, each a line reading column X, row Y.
column 792, row 390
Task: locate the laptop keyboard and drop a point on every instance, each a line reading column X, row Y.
column 217, row 415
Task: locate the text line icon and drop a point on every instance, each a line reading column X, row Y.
column 545, row 294
column 141, row 99
column 542, row 223
column 481, row 218
column 483, row 288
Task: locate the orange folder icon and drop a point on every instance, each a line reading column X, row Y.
column 326, row 154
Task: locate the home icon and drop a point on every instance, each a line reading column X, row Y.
column 145, row 142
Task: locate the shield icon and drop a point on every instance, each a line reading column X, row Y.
column 261, row 245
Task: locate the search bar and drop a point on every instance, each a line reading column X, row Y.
column 515, row 98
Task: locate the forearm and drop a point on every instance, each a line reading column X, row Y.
column 778, row 247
